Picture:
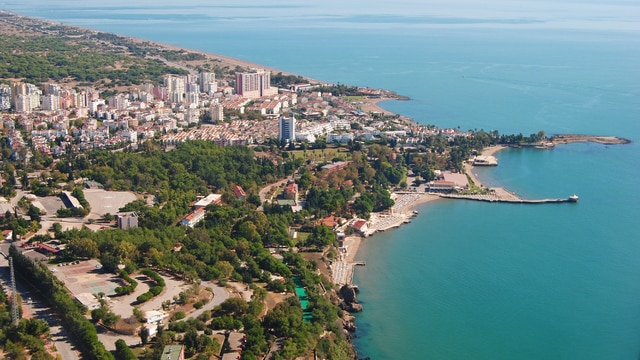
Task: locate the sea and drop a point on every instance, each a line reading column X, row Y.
column 465, row 280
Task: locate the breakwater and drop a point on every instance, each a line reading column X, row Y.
column 512, row 201
column 503, row 196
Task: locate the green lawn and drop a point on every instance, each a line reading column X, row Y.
column 301, row 238
column 321, row 154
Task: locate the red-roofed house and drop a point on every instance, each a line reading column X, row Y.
column 329, row 221
column 360, row 226
column 7, row 234
column 460, row 180
column 237, row 190
column 291, row 191
column 193, row 218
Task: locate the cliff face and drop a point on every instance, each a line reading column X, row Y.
column 349, row 302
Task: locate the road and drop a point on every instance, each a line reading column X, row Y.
column 265, row 191
column 37, row 308
column 220, row 294
column 123, row 306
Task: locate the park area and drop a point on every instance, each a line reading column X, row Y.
column 328, row 154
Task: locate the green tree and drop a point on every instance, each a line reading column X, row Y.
column 321, row 236
column 144, row 335
column 83, row 248
column 123, row 352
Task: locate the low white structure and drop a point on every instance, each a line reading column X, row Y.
column 209, row 199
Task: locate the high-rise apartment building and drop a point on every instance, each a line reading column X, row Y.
column 287, row 129
column 176, row 88
column 255, row 84
column 207, row 82
column 51, row 102
column 217, row 113
column 5, row 97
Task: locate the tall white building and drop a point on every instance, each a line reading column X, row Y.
column 119, row 102
column 176, row 88
column 51, row 102
column 26, row 97
column 192, row 97
column 217, row 112
column 255, row 84
column 27, row 103
column 207, row 82
column 287, row 129
column 5, row 97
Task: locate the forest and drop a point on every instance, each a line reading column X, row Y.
column 48, row 58
column 231, row 243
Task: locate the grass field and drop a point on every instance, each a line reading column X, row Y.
column 353, row 98
column 321, row 154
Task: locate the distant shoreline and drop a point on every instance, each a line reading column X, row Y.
column 223, row 60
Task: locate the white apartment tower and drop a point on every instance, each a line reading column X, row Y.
column 51, row 102
column 5, row 97
column 217, row 113
column 207, row 82
column 176, row 88
column 287, row 129
column 255, row 84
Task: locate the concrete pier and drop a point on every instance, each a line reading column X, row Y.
column 500, row 195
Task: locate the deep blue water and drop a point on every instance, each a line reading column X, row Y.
column 466, row 280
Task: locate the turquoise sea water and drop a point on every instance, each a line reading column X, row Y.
column 466, row 280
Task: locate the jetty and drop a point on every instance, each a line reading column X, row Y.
column 500, row 195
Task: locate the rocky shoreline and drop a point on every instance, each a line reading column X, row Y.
column 574, row 138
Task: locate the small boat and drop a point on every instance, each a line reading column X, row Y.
column 573, row 198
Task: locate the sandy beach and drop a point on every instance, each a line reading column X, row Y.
column 371, row 105
column 403, row 209
column 489, row 151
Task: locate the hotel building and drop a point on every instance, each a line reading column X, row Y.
column 254, row 84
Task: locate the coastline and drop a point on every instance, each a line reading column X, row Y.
column 353, row 243
column 212, row 57
column 404, row 210
column 488, row 151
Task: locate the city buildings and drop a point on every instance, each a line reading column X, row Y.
column 254, row 84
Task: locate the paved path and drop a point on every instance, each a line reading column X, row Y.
column 265, row 190
column 37, row 308
column 220, row 294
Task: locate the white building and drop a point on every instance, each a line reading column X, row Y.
column 193, row 218
column 217, row 112
column 5, row 97
column 254, row 84
column 287, row 129
column 207, row 82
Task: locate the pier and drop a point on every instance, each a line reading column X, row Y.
column 500, row 195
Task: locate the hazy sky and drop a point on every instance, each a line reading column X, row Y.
column 581, row 14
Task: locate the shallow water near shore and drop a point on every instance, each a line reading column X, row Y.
column 467, row 280
column 487, row 280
